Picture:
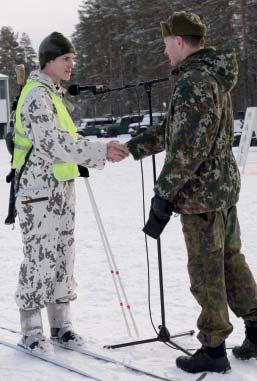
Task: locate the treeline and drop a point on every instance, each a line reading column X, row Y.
column 119, row 42
column 14, row 51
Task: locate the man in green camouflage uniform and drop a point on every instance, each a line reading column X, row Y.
column 200, row 181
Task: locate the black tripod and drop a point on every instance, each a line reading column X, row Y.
column 163, row 334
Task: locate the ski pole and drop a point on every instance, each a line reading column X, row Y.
column 111, row 261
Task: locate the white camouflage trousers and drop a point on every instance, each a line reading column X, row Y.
column 46, row 218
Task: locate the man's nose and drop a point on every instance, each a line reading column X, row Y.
column 71, row 64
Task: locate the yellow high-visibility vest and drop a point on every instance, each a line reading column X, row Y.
column 62, row 170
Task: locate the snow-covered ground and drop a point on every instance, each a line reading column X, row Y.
column 96, row 312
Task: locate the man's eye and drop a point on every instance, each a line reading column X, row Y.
column 67, row 59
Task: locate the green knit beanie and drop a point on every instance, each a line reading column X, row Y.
column 183, row 24
column 53, row 46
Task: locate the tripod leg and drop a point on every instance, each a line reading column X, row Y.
column 129, row 344
column 183, row 334
column 180, row 348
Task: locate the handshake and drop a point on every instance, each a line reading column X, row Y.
column 160, row 210
column 116, row 151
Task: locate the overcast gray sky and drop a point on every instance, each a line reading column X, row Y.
column 38, row 18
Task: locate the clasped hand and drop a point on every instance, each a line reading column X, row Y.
column 116, row 151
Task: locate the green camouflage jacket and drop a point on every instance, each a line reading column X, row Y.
column 200, row 173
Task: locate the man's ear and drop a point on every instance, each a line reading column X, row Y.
column 180, row 41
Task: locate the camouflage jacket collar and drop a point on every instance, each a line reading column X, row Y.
column 221, row 65
column 38, row 75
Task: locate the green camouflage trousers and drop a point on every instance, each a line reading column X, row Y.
column 218, row 273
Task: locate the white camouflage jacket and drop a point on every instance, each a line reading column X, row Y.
column 51, row 142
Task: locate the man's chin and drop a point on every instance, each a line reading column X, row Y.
column 66, row 77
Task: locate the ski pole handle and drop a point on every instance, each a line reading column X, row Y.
column 20, row 74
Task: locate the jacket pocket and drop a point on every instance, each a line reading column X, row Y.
column 37, row 212
column 32, row 200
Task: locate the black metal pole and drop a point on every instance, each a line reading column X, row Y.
column 148, row 89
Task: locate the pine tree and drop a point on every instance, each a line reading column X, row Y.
column 10, row 56
column 28, row 53
column 116, row 44
column 119, row 42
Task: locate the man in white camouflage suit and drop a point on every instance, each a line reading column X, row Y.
column 47, row 151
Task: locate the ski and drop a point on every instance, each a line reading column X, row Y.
column 108, row 359
column 50, row 360
column 98, row 356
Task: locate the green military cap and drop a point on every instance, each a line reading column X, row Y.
column 183, row 24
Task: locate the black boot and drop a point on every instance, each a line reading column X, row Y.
column 205, row 359
column 249, row 347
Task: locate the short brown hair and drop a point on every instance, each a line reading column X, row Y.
column 194, row 41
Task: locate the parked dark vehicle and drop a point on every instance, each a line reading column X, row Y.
column 137, row 128
column 121, row 125
column 93, row 126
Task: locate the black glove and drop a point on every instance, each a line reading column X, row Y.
column 83, row 171
column 159, row 216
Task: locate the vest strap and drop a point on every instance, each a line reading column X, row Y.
column 17, row 132
column 21, row 148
